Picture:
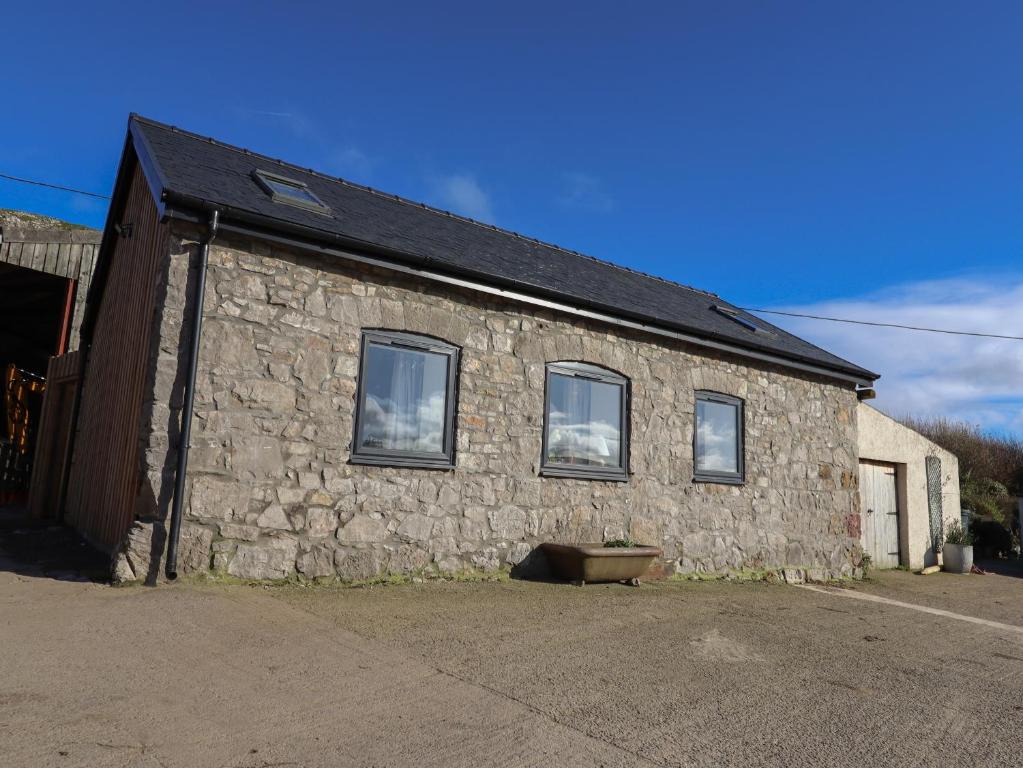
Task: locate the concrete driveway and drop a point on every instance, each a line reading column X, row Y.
column 511, row 674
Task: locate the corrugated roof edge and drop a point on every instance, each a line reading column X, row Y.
column 848, row 370
column 417, row 204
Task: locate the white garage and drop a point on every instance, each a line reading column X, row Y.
column 909, row 492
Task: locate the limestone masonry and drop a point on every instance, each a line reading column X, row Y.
column 272, row 492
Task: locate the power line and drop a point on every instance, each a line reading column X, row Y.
column 745, row 309
column 54, row 186
column 883, row 325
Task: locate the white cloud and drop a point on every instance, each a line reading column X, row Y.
column 596, row 442
column 581, row 190
column 716, row 443
column 461, row 193
column 979, row 380
column 408, row 426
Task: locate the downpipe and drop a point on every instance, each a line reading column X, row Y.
column 187, row 405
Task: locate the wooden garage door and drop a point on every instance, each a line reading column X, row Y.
column 879, row 513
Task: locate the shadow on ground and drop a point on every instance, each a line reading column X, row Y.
column 44, row 548
column 1002, row 567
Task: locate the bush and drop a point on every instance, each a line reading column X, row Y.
column 986, row 497
column 990, row 476
column 956, row 534
column 991, row 538
column 982, row 456
column 620, row 543
column 866, row 561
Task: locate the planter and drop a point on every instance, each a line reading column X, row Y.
column 957, row 558
column 595, row 562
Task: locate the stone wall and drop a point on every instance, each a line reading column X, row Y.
column 272, row 492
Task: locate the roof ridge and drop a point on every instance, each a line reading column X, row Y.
column 420, row 205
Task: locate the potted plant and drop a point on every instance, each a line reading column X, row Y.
column 615, row 560
column 957, row 554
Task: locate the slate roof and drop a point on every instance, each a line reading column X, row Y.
column 193, row 167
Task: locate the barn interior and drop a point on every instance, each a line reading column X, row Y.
column 35, row 314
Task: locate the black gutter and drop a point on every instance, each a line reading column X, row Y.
column 307, row 237
column 184, row 441
column 533, row 300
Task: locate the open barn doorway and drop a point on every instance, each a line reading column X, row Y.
column 35, row 324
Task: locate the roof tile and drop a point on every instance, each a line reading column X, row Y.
column 218, row 173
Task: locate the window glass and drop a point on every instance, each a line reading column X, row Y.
column 584, row 422
column 746, row 321
column 405, row 393
column 718, row 438
column 717, row 448
column 291, row 190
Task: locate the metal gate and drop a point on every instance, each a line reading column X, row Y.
column 880, row 513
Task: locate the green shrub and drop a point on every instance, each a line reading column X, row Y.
column 981, row 455
column 986, row 497
column 991, row 538
column 620, row 543
column 866, row 561
column 956, row 534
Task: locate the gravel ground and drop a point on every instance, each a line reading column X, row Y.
column 724, row 674
column 227, row 677
column 510, row 673
column 997, row 596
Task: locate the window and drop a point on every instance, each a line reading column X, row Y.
column 289, row 191
column 718, row 438
column 745, row 321
column 405, row 401
column 585, row 423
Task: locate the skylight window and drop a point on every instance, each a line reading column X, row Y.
column 745, row 322
column 289, row 191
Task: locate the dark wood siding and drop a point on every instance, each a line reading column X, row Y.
column 52, row 441
column 106, row 462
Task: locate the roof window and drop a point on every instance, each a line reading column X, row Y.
column 746, row 322
column 289, row 191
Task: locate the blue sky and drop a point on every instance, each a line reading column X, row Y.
column 858, row 157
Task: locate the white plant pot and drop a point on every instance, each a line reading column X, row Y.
column 957, row 558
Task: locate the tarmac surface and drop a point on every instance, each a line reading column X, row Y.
column 509, row 673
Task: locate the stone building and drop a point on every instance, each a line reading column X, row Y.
column 384, row 387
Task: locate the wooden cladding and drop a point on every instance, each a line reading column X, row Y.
column 106, row 463
column 64, row 259
column 52, row 442
column 70, row 254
